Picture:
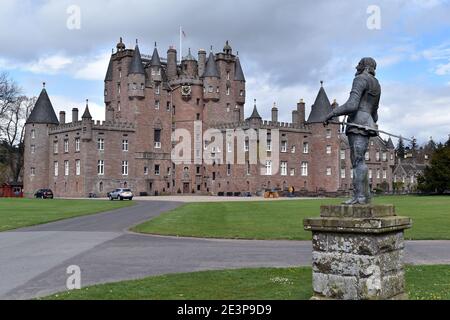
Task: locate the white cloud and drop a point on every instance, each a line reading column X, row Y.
column 49, row 64
column 443, row 69
column 93, row 69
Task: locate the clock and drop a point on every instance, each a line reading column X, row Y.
column 186, row 90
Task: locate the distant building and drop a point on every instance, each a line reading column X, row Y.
column 147, row 98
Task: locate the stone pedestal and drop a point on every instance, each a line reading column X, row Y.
column 358, row 252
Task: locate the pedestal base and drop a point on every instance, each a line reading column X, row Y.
column 358, row 252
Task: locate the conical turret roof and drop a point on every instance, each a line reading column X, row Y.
column 86, row 114
column 156, row 61
column 321, row 107
column 136, row 66
column 255, row 113
column 211, row 67
column 238, row 73
column 43, row 111
column 109, row 72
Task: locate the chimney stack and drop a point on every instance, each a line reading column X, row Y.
column 301, row 113
column 171, row 63
column 274, row 113
column 74, row 114
column 201, row 61
column 62, row 117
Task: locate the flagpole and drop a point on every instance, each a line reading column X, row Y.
column 181, row 42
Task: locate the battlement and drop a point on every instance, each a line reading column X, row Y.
column 97, row 125
column 269, row 125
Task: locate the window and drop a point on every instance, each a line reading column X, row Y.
column 342, row 154
column 32, row 171
column 33, row 134
column 328, row 134
column 384, row 174
column 392, row 156
column 426, row 157
column 77, row 144
column 157, row 138
column 343, row 173
column 378, row 174
column 384, row 156
column 371, row 143
column 66, row 167
column 229, row 147
column 124, row 168
column 293, row 149
column 305, row 147
column 246, row 145
column 157, row 169
column 210, row 89
column 370, row 174
column 377, row 156
column 33, row 148
column 269, row 145
column 100, row 167
column 268, row 167
column 124, row 145
column 241, row 93
column 77, row 167
column 351, row 173
column 55, row 147
column 157, row 104
column 169, row 171
column 228, row 169
column 146, row 171
column 328, row 171
column 168, row 106
column 283, row 168
column 228, row 91
column 118, row 106
column 228, row 75
column 283, row 146
column 292, row 172
column 366, row 156
column 101, row 144
column 66, row 146
column 248, row 167
column 412, row 179
column 304, row 169
column 55, row 166
column 328, row 149
column 118, row 88
column 157, row 90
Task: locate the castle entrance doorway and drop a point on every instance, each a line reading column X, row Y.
column 186, row 187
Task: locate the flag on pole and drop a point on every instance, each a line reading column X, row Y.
column 183, row 33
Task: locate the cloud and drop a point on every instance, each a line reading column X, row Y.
column 94, row 69
column 49, row 64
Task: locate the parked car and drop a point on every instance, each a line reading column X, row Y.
column 44, row 194
column 121, row 194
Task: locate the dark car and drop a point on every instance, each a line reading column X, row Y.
column 44, row 194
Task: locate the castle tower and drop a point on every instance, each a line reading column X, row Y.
column 189, row 65
column 325, row 146
column 37, row 144
column 211, row 78
column 86, row 122
column 155, row 66
column 136, row 76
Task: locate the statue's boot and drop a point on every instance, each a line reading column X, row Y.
column 351, row 201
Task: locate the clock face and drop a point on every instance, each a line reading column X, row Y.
column 186, row 90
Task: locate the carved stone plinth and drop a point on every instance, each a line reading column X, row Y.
column 358, row 252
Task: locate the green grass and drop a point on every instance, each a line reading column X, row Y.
column 16, row 213
column 284, row 219
column 423, row 282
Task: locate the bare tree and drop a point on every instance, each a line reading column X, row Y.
column 9, row 93
column 12, row 131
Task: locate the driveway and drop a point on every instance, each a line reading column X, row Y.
column 34, row 260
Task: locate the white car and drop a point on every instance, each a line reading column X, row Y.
column 121, row 194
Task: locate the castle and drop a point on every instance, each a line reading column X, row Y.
column 148, row 98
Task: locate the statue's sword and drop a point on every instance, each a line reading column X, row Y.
column 372, row 129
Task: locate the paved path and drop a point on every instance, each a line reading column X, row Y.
column 33, row 261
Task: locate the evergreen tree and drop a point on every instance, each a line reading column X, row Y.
column 436, row 178
column 400, row 149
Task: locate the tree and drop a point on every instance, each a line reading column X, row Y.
column 9, row 92
column 400, row 149
column 12, row 131
column 436, row 177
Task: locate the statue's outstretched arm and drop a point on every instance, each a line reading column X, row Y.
column 352, row 104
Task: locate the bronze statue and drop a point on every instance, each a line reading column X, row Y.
column 361, row 109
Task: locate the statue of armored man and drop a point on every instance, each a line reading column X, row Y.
column 362, row 110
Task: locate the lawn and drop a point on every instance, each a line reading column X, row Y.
column 423, row 282
column 284, row 219
column 17, row 213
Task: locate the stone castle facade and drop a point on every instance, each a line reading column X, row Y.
column 148, row 98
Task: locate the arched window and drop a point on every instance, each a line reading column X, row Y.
column 100, row 186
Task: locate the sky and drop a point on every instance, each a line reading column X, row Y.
column 286, row 48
